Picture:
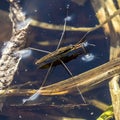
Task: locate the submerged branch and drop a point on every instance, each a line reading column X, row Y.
column 84, row 81
column 9, row 61
column 70, row 28
column 45, row 25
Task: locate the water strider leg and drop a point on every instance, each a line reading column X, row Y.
column 34, row 96
column 68, row 70
column 63, row 32
column 45, row 51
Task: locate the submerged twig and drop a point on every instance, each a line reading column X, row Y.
column 70, row 28
column 84, row 81
column 9, row 61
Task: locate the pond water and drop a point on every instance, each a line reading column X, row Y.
column 57, row 12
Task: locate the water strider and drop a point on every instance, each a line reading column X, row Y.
column 60, row 52
column 57, row 54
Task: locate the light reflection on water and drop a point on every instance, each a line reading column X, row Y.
column 88, row 57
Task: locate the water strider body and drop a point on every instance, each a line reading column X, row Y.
column 59, row 53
